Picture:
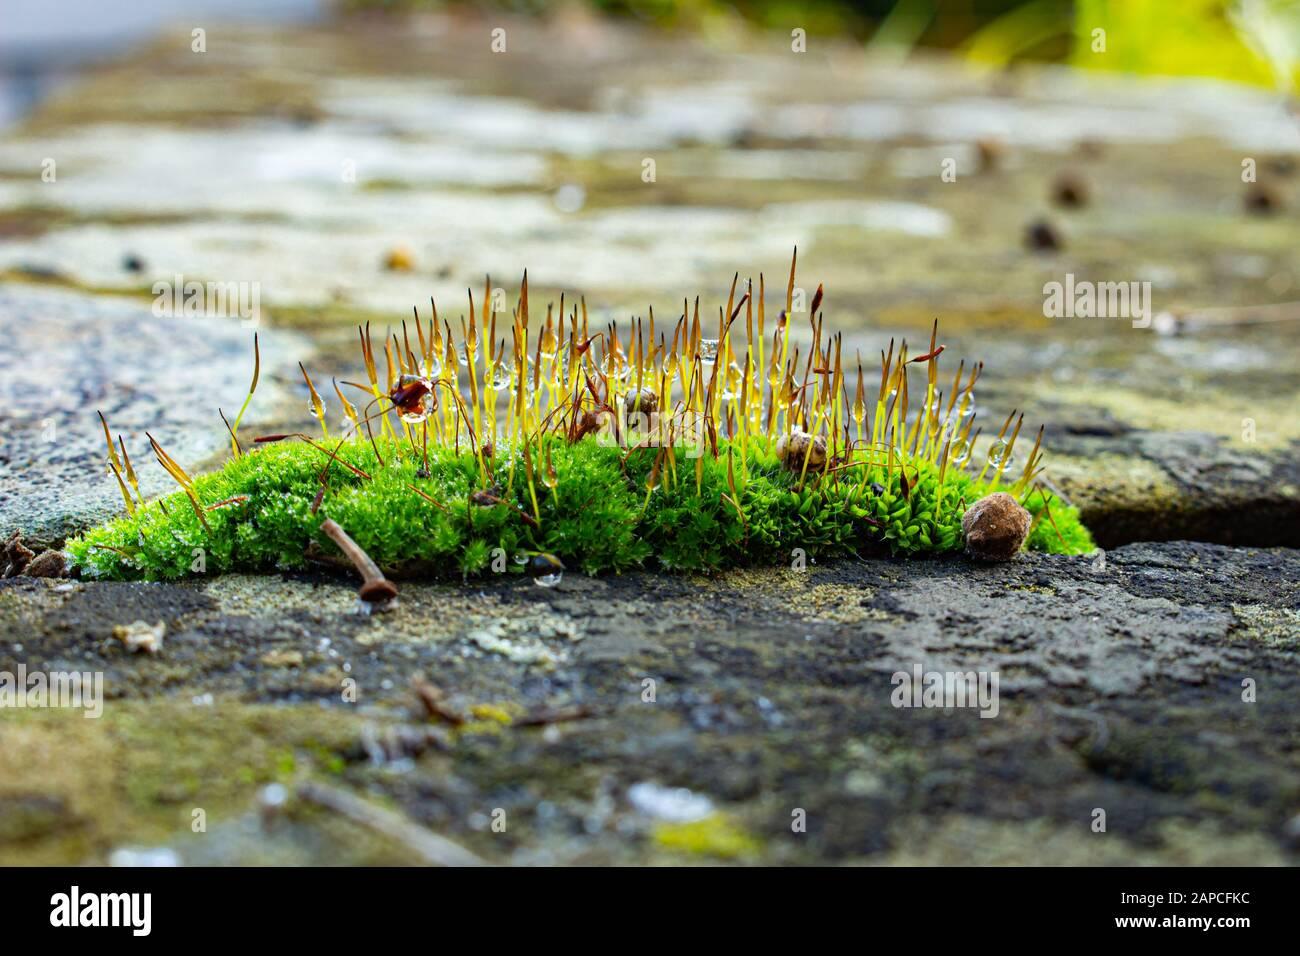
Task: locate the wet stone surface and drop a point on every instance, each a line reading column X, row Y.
column 1120, row 687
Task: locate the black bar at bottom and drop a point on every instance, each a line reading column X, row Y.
column 331, row 905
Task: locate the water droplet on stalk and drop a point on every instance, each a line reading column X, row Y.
column 708, row 351
column 413, row 415
column 732, row 382
column 999, row 456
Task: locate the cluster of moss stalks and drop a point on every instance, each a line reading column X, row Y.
column 697, row 454
column 596, row 517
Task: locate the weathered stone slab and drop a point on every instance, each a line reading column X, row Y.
column 1121, row 687
column 67, row 355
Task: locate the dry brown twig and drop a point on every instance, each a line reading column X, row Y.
column 376, row 590
column 433, row 850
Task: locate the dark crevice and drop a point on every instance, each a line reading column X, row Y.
column 1266, row 524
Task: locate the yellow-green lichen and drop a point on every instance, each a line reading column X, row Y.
column 716, row 835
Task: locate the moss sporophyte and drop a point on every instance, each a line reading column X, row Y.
column 707, row 443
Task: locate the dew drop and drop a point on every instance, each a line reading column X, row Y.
column 732, row 382
column 616, row 367
column 545, row 569
column 413, row 415
column 500, row 375
column 549, row 344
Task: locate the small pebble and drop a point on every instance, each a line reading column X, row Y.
column 48, row 564
column 141, row 637
column 399, row 259
column 991, row 153
column 129, row 856
column 677, row 804
column 1042, row 236
column 995, row 527
column 1262, row 200
column 1070, row 190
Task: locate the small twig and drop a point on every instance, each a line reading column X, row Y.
column 433, row 849
column 539, row 718
column 375, row 588
column 433, row 701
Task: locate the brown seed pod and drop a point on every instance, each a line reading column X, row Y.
column 990, row 152
column 399, row 259
column 587, row 424
column 644, row 402
column 995, row 527
column 1070, row 190
column 794, row 448
column 1042, row 236
column 485, row 498
column 1262, row 199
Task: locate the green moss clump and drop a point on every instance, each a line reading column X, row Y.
column 598, row 514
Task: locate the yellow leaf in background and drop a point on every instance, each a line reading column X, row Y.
column 1248, row 41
